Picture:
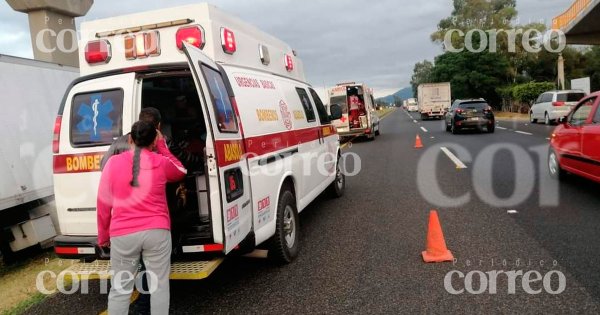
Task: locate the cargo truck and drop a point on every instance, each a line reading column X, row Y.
column 434, row 100
column 31, row 91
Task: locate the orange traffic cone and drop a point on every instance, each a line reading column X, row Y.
column 436, row 245
column 418, row 143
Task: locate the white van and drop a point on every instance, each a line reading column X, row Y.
column 233, row 95
column 552, row 105
column 358, row 110
column 412, row 105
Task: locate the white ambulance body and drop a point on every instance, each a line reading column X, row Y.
column 366, row 121
column 266, row 139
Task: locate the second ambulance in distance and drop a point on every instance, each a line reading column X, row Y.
column 235, row 97
column 358, row 110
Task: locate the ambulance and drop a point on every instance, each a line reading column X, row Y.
column 238, row 100
column 358, row 110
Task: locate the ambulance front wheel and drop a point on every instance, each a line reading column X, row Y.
column 284, row 244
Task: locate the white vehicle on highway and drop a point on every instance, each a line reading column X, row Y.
column 236, row 93
column 358, row 110
column 31, row 91
column 552, row 105
column 412, row 105
column 434, row 99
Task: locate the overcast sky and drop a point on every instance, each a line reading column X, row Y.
column 376, row 42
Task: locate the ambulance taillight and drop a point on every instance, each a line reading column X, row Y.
column 56, row 134
column 97, row 51
column 193, row 35
column 228, row 41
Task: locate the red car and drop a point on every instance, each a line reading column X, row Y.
column 575, row 143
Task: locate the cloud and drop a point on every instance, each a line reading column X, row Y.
column 376, row 42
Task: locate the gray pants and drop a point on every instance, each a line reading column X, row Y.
column 155, row 249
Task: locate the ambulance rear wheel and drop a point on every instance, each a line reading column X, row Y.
column 337, row 188
column 284, row 244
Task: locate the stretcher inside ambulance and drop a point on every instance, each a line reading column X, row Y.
column 357, row 106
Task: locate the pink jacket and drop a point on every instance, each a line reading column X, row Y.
column 123, row 209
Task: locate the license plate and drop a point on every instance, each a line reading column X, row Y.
column 474, row 118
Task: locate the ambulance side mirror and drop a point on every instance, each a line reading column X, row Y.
column 335, row 112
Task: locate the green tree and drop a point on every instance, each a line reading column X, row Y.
column 529, row 92
column 472, row 75
column 476, row 14
column 422, row 73
column 592, row 69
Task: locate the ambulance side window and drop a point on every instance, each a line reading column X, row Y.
column 96, row 118
column 226, row 119
column 306, row 104
column 323, row 117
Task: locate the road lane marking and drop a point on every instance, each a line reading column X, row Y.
column 414, row 121
column 457, row 162
column 423, row 128
column 524, row 133
column 511, row 211
column 501, row 128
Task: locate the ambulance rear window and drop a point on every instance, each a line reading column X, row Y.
column 226, row 120
column 96, row 118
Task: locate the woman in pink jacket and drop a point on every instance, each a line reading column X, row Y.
column 133, row 217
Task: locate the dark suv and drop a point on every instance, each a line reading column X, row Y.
column 475, row 114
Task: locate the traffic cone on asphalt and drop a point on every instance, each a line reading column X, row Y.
column 418, row 143
column 436, row 245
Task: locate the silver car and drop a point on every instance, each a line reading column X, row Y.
column 552, row 105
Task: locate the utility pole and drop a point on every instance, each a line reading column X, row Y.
column 561, row 72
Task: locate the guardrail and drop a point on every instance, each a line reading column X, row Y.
column 563, row 20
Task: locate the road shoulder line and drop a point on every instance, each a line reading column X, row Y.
column 459, row 164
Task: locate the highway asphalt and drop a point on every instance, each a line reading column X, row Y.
column 361, row 254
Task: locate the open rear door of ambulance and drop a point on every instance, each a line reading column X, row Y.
column 230, row 204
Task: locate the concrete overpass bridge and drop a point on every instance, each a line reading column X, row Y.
column 580, row 22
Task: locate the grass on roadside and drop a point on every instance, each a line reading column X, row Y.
column 385, row 111
column 509, row 115
column 18, row 290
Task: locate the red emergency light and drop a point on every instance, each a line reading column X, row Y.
column 193, row 35
column 97, row 51
column 289, row 63
column 228, row 41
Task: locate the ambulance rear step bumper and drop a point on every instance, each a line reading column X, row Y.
column 353, row 132
column 180, row 270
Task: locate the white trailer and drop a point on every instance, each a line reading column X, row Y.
column 434, row 99
column 32, row 92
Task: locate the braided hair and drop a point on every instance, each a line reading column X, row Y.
column 143, row 135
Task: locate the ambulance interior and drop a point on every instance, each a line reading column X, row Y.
column 353, row 104
column 183, row 125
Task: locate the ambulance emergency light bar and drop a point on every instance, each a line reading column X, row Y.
column 147, row 44
column 157, row 38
